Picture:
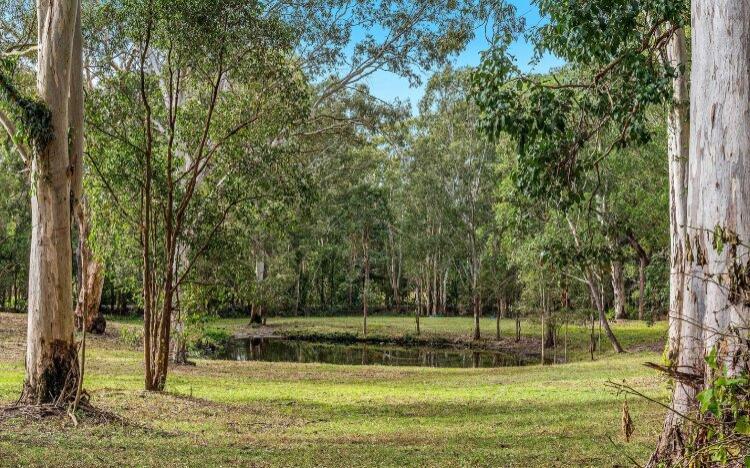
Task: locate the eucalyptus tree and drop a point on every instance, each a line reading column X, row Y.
column 365, row 218
column 500, row 279
column 466, row 173
column 209, row 78
column 19, row 39
column 339, row 160
column 629, row 42
column 566, row 124
column 38, row 125
column 341, row 42
column 714, row 319
column 428, row 218
column 635, row 220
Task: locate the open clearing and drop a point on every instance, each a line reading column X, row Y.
column 223, row 413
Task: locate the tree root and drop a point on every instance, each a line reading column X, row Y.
column 39, row 412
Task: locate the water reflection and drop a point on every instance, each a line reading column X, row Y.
column 281, row 350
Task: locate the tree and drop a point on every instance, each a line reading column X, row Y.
column 714, row 317
column 208, row 77
column 566, row 124
column 470, row 161
column 52, row 372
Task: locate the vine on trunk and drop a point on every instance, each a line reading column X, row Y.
column 33, row 117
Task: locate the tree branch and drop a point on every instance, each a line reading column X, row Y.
column 10, row 127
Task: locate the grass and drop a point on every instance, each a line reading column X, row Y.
column 633, row 335
column 224, row 413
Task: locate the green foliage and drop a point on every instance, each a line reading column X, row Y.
column 15, row 225
column 33, row 117
column 614, row 74
column 725, row 407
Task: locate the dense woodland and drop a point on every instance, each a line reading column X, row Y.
column 226, row 158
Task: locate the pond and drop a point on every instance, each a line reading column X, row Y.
column 285, row 350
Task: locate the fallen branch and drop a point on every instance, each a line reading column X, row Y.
column 693, row 380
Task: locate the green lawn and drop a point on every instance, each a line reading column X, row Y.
column 223, row 413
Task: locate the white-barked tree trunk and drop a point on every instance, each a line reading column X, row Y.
column 51, row 355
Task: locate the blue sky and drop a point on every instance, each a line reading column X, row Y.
column 388, row 86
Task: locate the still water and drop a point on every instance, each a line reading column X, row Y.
column 282, row 350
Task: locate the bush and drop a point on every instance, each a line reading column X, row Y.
column 131, row 336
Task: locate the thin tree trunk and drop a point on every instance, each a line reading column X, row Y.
column 475, row 306
column 618, row 287
column 596, row 295
column 592, row 341
column 366, row 252
column 566, row 341
column 500, row 315
column 297, row 292
column 643, row 261
column 15, row 290
column 444, row 298
column 150, row 346
column 543, row 330
column 641, row 287
column 416, row 316
column 603, row 322
column 256, row 314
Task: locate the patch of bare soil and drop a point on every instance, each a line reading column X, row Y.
column 12, row 335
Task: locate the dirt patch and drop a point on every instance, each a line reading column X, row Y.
column 12, row 335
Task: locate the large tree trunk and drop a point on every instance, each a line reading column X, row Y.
column 678, row 149
column 51, row 355
column 618, row 287
column 715, row 295
column 88, row 309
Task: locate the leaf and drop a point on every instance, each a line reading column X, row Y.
column 721, row 455
column 742, row 426
column 747, row 461
column 711, row 358
column 718, row 240
column 706, row 399
column 736, row 381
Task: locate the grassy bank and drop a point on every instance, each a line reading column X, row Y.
column 222, row 413
column 634, row 335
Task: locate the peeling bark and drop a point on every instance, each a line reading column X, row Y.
column 51, row 353
column 711, row 299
